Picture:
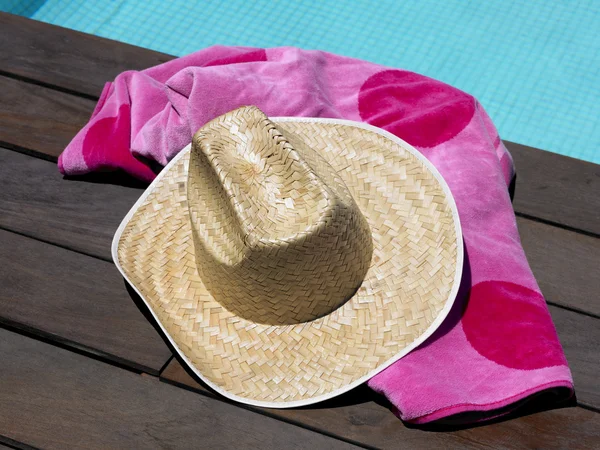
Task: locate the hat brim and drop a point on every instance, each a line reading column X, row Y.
column 407, row 292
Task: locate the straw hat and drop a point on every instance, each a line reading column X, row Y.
column 289, row 260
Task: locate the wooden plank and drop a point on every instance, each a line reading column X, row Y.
column 557, row 188
column 65, row 58
column 362, row 417
column 53, row 398
column 83, row 216
column 75, row 300
column 579, row 336
column 40, row 120
column 564, row 263
column 35, row 200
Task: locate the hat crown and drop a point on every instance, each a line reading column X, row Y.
column 278, row 237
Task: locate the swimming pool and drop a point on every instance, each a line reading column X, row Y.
column 535, row 66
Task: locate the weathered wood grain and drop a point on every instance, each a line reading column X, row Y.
column 35, row 200
column 53, row 398
column 39, row 120
column 359, row 416
column 66, row 58
column 566, row 264
column 579, row 336
column 75, row 300
column 557, row 188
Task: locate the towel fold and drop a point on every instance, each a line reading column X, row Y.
column 499, row 345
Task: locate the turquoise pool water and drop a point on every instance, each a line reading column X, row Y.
column 534, row 65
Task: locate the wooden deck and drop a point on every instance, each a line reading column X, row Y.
column 81, row 365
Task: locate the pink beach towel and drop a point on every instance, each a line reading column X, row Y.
column 499, row 345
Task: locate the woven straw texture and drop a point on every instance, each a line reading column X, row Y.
column 294, row 258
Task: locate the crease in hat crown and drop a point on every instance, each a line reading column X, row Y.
column 278, row 238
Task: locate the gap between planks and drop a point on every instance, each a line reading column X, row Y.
column 55, row 398
column 369, row 420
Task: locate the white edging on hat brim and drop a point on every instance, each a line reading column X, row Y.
column 430, row 330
